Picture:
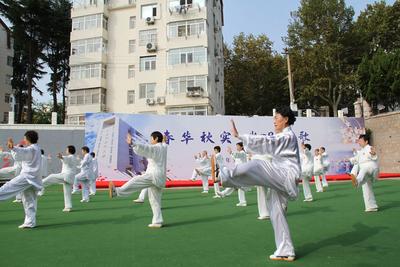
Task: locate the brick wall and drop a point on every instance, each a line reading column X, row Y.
column 386, row 138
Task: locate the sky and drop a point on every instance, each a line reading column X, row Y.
column 270, row 17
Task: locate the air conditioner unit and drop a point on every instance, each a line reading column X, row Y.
column 160, row 100
column 151, row 47
column 150, row 20
column 194, row 91
column 150, row 101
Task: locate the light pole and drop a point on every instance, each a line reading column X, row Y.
column 293, row 104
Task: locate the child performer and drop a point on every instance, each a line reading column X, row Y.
column 219, row 162
column 281, row 175
column 367, row 168
column 240, row 157
column 28, row 182
column 318, row 170
column 204, row 170
column 85, row 174
column 66, row 177
column 325, row 164
column 95, row 174
column 307, row 167
column 154, row 178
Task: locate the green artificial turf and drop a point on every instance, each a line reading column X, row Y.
column 201, row 231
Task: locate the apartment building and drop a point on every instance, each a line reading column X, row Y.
column 6, row 71
column 146, row 56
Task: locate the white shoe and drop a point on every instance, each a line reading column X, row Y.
column 155, row 225
column 138, row 201
column 84, row 200
column 25, row 226
column 262, row 218
column 40, row 193
column 282, row 258
column 67, row 210
column 308, row 200
column 17, row 201
column 244, row 204
column 216, row 196
column 371, row 210
column 204, row 192
column 220, row 194
column 74, row 192
column 92, row 194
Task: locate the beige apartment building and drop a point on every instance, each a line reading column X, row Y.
column 146, row 56
column 6, row 71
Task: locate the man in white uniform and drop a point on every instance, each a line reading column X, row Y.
column 240, row 157
column 281, row 175
column 85, row 174
column 219, row 162
column 95, row 174
column 204, row 169
column 326, row 164
column 66, row 177
column 318, row 170
column 306, row 159
column 153, row 179
column 28, row 182
column 367, row 171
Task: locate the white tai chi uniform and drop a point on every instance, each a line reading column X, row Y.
column 95, row 174
column 318, row 170
column 28, row 182
column 204, row 171
column 367, row 170
column 12, row 172
column 281, row 175
column 307, row 169
column 66, row 178
column 84, row 176
column 142, row 196
column 325, row 164
column 239, row 157
column 219, row 161
column 153, row 179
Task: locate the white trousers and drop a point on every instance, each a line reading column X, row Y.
column 204, row 180
column 241, row 194
column 262, row 193
column 83, row 179
column 307, row 189
column 268, row 174
column 365, row 178
column 142, row 182
column 324, row 181
column 216, row 188
column 143, row 194
column 92, row 186
column 318, row 184
column 59, row 178
column 29, row 197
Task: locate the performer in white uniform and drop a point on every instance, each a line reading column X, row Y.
column 367, row 169
column 95, row 174
column 28, row 182
column 318, row 170
column 12, row 171
column 204, row 169
column 85, row 174
column 66, row 177
column 307, row 167
column 219, row 162
column 281, row 175
column 240, row 157
column 154, row 178
column 326, row 164
column 142, row 196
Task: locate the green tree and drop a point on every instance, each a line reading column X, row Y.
column 254, row 76
column 322, row 51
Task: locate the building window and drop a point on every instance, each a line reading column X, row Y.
column 178, row 85
column 7, row 98
column 86, row 97
column 131, row 71
column 131, row 46
column 88, row 71
column 187, row 55
column 5, row 120
column 186, row 28
column 131, row 97
column 132, row 22
column 89, row 22
column 76, row 120
column 177, row 4
column 149, row 36
column 147, row 90
column 196, row 110
column 88, row 46
column 148, row 63
column 9, row 61
column 149, row 11
column 8, row 79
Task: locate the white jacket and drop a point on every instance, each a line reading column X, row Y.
column 239, row 157
column 31, row 163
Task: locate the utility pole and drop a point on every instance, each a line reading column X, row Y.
column 293, row 105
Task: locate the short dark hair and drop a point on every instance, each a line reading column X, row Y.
column 32, row 136
column 240, row 144
column 218, row 148
column 42, row 151
column 364, row 137
column 308, row 146
column 288, row 113
column 92, row 154
column 71, row 149
column 86, row 149
column 323, row 148
column 157, row 136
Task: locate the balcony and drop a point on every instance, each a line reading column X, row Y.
column 121, row 4
column 88, row 7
